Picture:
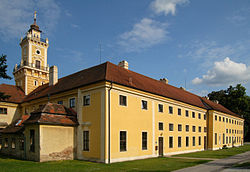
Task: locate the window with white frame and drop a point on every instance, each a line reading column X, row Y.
column 85, row 140
column 123, row 100
column 160, row 107
column 86, row 100
column 144, row 104
column 123, row 141
column 3, row 111
column 144, row 141
column 72, row 102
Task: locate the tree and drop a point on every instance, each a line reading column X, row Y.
column 236, row 100
column 3, row 74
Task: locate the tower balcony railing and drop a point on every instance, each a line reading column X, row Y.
column 36, row 38
column 32, row 65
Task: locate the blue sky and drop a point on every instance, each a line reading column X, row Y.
column 200, row 45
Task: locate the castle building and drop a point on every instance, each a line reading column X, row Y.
column 106, row 113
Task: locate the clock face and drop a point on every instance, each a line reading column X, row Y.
column 38, row 52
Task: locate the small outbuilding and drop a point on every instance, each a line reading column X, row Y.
column 47, row 134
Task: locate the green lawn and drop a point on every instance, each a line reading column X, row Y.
column 245, row 165
column 153, row 164
column 223, row 153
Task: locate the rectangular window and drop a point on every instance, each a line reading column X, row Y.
column 199, row 140
column 229, row 139
column 144, row 141
column 187, row 113
column 3, row 111
column 60, row 102
column 230, row 131
column 21, row 143
column 226, row 140
column 6, row 143
column 199, row 129
column 223, row 119
column 205, row 129
column 13, row 143
column 199, row 115
column 171, row 127
column 205, row 117
column 215, row 138
column 179, row 142
column 32, row 140
column 223, row 139
column 123, row 141
column 160, row 126
column 193, row 114
column 193, row 141
column 72, row 102
column 170, row 142
column 187, row 141
column 144, row 104
column 179, row 111
column 226, row 120
column 85, row 140
column 179, row 127
column 170, row 110
column 123, row 100
column 187, row 128
column 219, row 118
column 86, row 100
column 160, row 108
column 229, row 121
column 215, row 117
column 193, row 128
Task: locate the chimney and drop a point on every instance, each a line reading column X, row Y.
column 182, row 88
column 53, row 75
column 216, row 101
column 123, row 64
column 164, row 80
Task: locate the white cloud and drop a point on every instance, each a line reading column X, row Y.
column 224, row 73
column 239, row 17
column 166, row 6
column 209, row 51
column 16, row 16
column 144, row 34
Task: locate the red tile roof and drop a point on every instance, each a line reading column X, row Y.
column 16, row 93
column 16, row 126
column 113, row 73
column 53, row 114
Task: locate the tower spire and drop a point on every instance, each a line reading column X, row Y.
column 35, row 17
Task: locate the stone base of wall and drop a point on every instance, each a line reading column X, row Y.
column 66, row 154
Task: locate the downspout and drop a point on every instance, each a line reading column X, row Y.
column 109, row 111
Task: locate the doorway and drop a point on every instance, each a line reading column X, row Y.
column 160, row 146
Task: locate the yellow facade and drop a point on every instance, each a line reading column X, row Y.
column 115, row 122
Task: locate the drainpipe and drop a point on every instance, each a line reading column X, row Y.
column 109, row 152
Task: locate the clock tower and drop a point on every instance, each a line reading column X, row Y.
column 33, row 69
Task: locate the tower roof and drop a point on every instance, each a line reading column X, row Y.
column 34, row 26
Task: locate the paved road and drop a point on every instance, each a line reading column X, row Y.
column 220, row 164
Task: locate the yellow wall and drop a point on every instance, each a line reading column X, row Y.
column 135, row 120
column 221, row 127
column 56, row 142
column 12, row 112
column 91, row 121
